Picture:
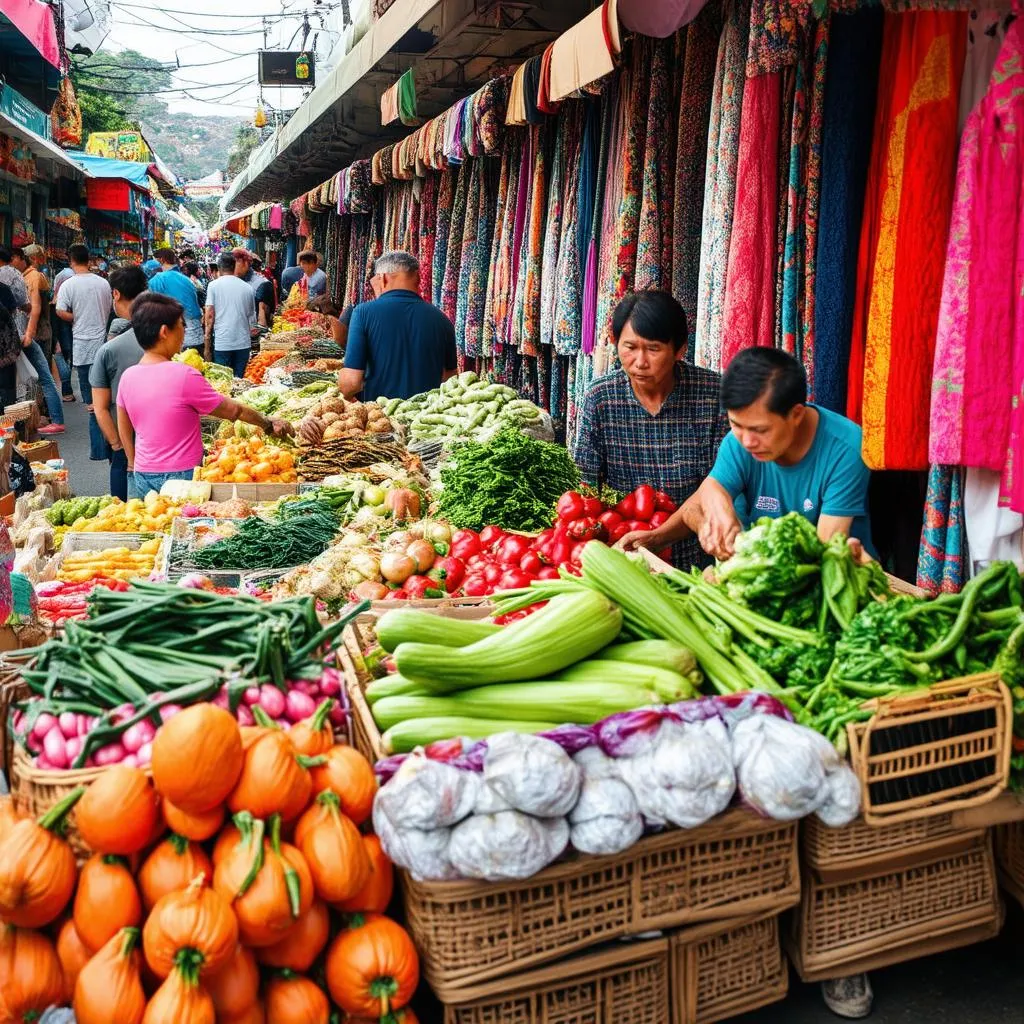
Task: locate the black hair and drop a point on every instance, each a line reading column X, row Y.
column 129, row 281
column 323, row 304
column 653, row 315
column 191, row 268
column 19, row 252
column 165, row 254
column 78, row 254
column 226, row 263
column 5, row 254
column 150, row 312
column 764, row 372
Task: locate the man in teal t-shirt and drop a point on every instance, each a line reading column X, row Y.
column 782, row 455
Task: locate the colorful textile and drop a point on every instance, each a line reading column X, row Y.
column 855, row 47
column 793, row 241
column 526, row 314
column 720, row 184
column 582, row 55
column 488, row 113
column 456, row 230
column 545, row 103
column 531, row 88
column 499, row 276
column 691, row 160
column 941, row 562
column 567, row 126
column 427, row 235
column 605, row 235
column 515, row 113
column 979, row 353
column 445, row 201
column 659, row 18
column 902, row 251
column 567, row 305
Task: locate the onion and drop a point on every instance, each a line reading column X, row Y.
column 54, row 748
column 44, row 723
column 398, row 541
column 337, row 715
column 244, row 715
column 299, row 705
column 370, row 590
column 422, row 553
column 365, row 564
column 303, row 686
column 329, row 684
column 144, row 754
column 251, row 695
column 272, row 700
column 396, row 567
column 68, row 722
column 437, row 533
column 112, row 753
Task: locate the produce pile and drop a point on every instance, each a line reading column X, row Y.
column 352, row 455
column 512, row 481
column 333, row 418
column 259, row 364
column 213, row 915
column 101, row 691
column 152, row 514
column 252, row 459
column 116, row 563
column 219, row 377
column 463, row 407
column 67, row 511
column 58, row 601
column 290, row 404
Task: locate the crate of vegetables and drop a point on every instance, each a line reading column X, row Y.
column 933, row 751
column 116, row 556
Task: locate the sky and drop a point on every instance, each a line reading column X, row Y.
column 215, row 42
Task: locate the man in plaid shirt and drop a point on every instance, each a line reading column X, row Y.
column 656, row 420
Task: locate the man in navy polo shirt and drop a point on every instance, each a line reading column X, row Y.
column 398, row 345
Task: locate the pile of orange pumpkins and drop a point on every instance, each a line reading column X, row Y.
column 193, row 909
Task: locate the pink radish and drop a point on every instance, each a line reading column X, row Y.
column 54, row 748
column 221, row 701
column 299, row 705
column 136, row 735
column 43, row 763
column 272, row 701
column 122, row 712
column 130, row 760
column 244, row 716
column 303, row 686
column 112, row 753
column 73, row 747
column 44, row 723
column 337, row 715
column 68, row 721
column 144, row 754
column 251, row 695
column 169, row 711
column 330, row 685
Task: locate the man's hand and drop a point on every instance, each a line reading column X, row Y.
column 282, row 428
column 717, row 534
column 642, row 539
column 25, row 341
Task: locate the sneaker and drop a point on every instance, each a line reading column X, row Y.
column 848, row 997
column 70, row 398
column 51, row 428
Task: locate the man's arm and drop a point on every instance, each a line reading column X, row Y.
column 101, row 409
column 350, row 382
column 66, row 314
column 829, row 526
column 64, row 308
column 211, row 316
column 126, row 432
column 33, row 317
column 229, row 409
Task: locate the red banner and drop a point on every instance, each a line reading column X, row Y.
column 107, row 194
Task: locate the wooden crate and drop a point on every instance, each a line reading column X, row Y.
column 734, row 866
column 1009, row 845
column 721, row 970
column 942, row 902
column 624, row 984
column 935, row 751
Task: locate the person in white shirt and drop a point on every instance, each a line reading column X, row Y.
column 230, row 318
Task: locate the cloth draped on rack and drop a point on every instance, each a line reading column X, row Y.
column 659, row 18
column 500, row 280
column 456, row 229
column 902, row 245
column 526, row 311
column 941, row 562
column 979, row 353
column 586, row 52
column 445, row 202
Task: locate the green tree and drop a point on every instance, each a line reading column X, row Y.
column 247, row 139
column 100, row 113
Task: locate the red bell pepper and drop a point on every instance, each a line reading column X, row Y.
column 644, row 496
column 422, row 587
column 570, row 506
column 663, row 503
column 610, row 519
column 531, row 563
column 665, row 554
column 515, row 579
column 492, row 573
column 561, row 549
column 465, row 544
column 659, row 519
column 476, row 586
column 576, row 555
column 491, row 535
column 396, row 595
column 548, row 572
column 450, row 572
column 627, row 507
column 616, row 533
column 585, row 529
column 593, row 507
column 512, row 548
column 636, row 524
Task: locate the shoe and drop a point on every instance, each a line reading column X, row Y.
column 70, row 398
column 51, row 428
column 848, row 997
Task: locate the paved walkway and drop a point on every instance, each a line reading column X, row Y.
column 87, row 478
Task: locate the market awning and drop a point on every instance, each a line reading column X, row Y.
column 455, row 46
column 29, row 52
column 103, row 167
column 44, row 149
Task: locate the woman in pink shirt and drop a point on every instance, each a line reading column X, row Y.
column 160, row 402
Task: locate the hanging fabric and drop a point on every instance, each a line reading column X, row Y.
column 586, row 52
column 515, row 113
column 526, row 314
column 453, row 260
column 720, row 183
column 428, row 234
column 499, row 276
column 659, row 18
column 906, row 219
column 941, row 560
column 607, row 214
column 591, row 228
column 445, row 201
column 473, row 225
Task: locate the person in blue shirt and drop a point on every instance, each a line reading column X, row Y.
column 783, row 454
column 398, row 345
column 171, row 281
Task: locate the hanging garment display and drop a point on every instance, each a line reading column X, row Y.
column 902, row 244
column 499, row 276
column 659, row 18
column 456, row 229
column 445, row 202
column 586, row 52
column 526, row 312
column 604, row 160
column 855, row 47
column 941, row 559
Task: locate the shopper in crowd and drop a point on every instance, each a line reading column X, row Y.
column 85, row 302
column 398, row 345
column 160, row 402
column 37, row 336
column 120, row 351
column 191, row 271
column 262, row 289
column 230, row 318
column 211, row 272
column 336, row 321
column 10, row 346
column 171, row 281
column 63, row 339
column 782, row 455
column 11, row 276
column 290, row 277
column 151, row 267
column 656, row 419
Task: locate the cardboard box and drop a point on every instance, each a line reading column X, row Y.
column 39, row 451
column 252, row 492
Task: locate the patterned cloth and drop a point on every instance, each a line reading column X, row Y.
column 941, row 562
column 906, row 220
column 621, row 444
column 499, row 277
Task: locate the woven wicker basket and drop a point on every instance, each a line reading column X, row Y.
column 12, row 689
column 1009, row 843
column 735, row 866
column 892, row 916
column 723, row 970
column 625, row 984
column 934, row 752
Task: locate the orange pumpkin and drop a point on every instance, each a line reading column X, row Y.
column 314, row 735
column 376, row 895
column 351, row 776
column 119, row 811
column 109, row 989
column 73, row 956
column 172, row 866
column 254, row 1014
column 292, row 999
column 181, row 1000
column 302, row 943
column 106, row 900
column 9, row 815
column 274, row 779
column 372, row 967
column 195, row 919
column 37, row 868
column 31, row 978
column 226, row 842
column 266, row 882
column 197, row 758
column 402, row 1016
column 236, row 986
column 333, row 849
column 197, row 827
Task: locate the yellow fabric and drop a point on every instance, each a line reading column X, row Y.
column 516, row 110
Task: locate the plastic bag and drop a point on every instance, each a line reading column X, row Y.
column 532, row 774
column 684, row 775
column 423, row 853
column 606, row 818
column 783, row 770
column 427, row 794
column 506, row 845
column 842, row 804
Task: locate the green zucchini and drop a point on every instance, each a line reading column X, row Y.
column 669, row 686
column 409, row 625
column 656, row 653
column 570, row 628
column 406, row 736
column 393, row 686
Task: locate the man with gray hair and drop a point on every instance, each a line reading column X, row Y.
column 398, row 345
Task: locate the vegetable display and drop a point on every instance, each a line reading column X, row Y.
column 346, row 454
column 67, row 511
column 219, row 377
column 463, row 407
column 248, row 460
column 117, row 563
column 511, row 480
column 152, row 514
